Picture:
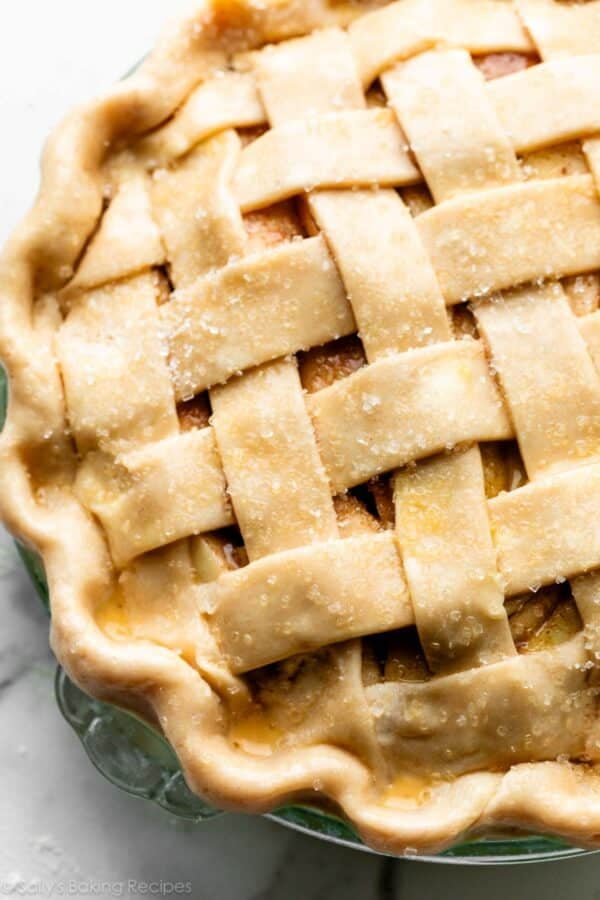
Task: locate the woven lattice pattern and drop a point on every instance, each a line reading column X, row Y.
column 359, row 263
column 272, row 457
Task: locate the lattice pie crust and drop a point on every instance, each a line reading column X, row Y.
column 303, row 343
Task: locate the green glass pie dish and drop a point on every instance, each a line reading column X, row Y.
column 136, row 759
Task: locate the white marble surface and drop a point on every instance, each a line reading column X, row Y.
column 60, row 822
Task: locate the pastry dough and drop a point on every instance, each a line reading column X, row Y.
column 303, row 347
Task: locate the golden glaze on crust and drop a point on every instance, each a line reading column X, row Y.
column 153, row 606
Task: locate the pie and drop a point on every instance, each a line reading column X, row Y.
column 303, row 342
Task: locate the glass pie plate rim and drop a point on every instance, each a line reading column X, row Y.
column 134, row 757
